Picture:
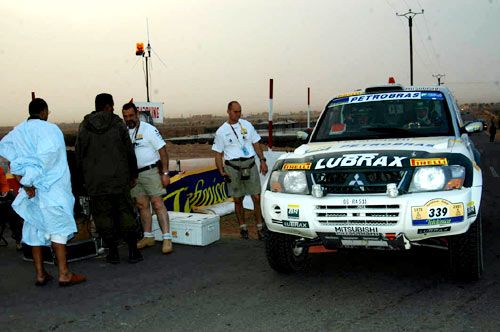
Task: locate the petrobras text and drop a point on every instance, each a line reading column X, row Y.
column 385, row 96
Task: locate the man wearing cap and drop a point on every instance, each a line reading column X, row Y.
column 152, row 163
column 237, row 142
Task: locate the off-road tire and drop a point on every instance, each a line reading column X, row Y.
column 466, row 253
column 281, row 254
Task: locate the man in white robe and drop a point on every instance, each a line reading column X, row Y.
column 37, row 155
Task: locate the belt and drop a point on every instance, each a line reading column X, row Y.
column 145, row 168
column 236, row 167
column 242, row 158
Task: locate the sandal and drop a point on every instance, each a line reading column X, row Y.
column 46, row 278
column 75, row 279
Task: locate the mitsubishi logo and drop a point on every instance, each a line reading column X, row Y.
column 357, row 182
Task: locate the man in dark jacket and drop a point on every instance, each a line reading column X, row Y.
column 107, row 162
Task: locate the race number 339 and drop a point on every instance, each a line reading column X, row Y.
column 437, row 212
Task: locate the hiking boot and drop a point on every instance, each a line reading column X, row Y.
column 146, row 242
column 244, row 234
column 167, row 247
column 113, row 257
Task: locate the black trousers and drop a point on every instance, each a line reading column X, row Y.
column 114, row 216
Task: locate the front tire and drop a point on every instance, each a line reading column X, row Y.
column 282, row 253
column 466, row 253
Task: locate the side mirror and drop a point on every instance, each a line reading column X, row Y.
column 472, row 127
column 302, row 135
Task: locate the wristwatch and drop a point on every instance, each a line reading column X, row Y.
column 263, row 159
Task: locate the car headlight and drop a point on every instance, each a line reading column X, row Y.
column 292, row 182
column 437, row 178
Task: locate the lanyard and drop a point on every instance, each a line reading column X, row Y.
column 135, row 134
column 237, row 138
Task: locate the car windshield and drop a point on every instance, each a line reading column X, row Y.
column 384, row 115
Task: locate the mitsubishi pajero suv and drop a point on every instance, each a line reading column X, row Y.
column 390, row 167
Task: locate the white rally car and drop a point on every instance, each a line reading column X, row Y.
column 390, row 167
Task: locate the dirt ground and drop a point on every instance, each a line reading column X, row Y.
column 189, row 151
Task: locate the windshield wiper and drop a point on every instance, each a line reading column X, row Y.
column 397, row 131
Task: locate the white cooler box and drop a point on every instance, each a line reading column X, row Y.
column 190, row 228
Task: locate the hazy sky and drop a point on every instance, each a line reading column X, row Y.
column 220, row 50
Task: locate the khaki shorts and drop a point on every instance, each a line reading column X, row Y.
column 238, row 187
column 148, row 184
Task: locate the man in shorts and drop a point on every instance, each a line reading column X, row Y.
column 237, row 142
column 152, row 164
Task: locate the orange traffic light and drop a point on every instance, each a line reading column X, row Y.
column 139, row 48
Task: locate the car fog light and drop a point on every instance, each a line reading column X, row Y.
column 317, row 190
column 392, row 190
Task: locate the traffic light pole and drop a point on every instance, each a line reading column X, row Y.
column 409, row 15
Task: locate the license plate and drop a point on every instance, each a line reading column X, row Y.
column 354, row 201
column 295, row 224
column 437, row 212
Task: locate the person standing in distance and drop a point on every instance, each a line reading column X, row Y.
column 237, row 142
column 106, row 158
column 150, row 148
column 37, row 154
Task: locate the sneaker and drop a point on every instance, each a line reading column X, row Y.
column 244, row 234
column 167, row 247
column 146, row 242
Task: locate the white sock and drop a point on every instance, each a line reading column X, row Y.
column 148, row 234
column 166, row 236
column 259, row 227
column 244, row 227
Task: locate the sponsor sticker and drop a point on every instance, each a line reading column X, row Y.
column 471, row 209
column 433, row 230
column 437, row 212
column 385, row 96
column 295, row 224
column 356, row 231
column 428, row 162
column 293, row 211
column 292, row 166
column 360, row 160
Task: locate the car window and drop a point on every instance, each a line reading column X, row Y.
column 384, row 115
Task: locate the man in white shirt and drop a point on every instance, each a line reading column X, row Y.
column 149, row 149
column 237, row 142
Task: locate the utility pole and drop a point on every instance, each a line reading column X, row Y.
column 410, row 15
column 439, row 76
column 270, row 123
column 308, row 108
column 147, row 56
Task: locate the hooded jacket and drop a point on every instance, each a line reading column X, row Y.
column 105, row 155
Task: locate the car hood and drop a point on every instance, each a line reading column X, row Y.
column 429, row 144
